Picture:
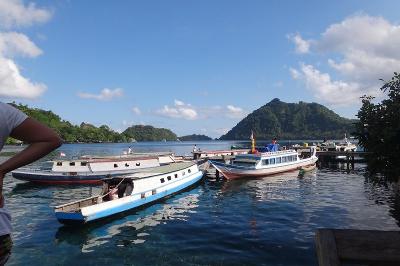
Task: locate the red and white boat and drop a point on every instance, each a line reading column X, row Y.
column 265, row 163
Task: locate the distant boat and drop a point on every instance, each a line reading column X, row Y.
column 265, row 163
column 346, row 145
column 90, row 170
column 327, row 146
column 128, row 192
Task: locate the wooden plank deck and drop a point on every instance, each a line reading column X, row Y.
column 361, row 247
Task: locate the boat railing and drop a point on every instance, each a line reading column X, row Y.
column 35, row 170
column 278, row 152
column 77, row 205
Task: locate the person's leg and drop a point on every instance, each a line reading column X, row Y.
column 129, row 188
column 121, row 189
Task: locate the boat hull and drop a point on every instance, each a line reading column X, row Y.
column 54, row 178
column 125, row 204
column 232, row 172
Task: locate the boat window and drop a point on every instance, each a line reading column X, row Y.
column 176, row 175
column 162, row 180
column 143, row 195
column 115, row 165
column 169, row 177
column 272, row 161
column 183, row 173
column 83, row 163
column 137, row 164
column 284, row 159
column 243, row 163
column 59, row 163
column 126, row 165
column 189, row 171
column 265, row 162
column 72, row 163
column 278, row 160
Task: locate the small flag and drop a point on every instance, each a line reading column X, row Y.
column 62, row 154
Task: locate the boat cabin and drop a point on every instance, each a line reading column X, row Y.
column 266, row 158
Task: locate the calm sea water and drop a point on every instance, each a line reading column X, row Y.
column 264, row 221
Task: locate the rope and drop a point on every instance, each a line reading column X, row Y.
column 115, row 186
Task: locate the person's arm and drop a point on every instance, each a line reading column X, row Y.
column 42, row 140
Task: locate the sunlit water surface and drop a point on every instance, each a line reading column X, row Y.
column 264, row 221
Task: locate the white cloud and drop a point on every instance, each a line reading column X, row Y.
column 189, row 112
column 228, row 111
column 14, row 44
column 234, row 112
column 136, row 110
column 302, row 46
column 324, row 88
column 221, row 131
column 363, row 49
column 13, row 13
column 179, row 110
column 294, row 73
column 105, row 94
column 13, row 84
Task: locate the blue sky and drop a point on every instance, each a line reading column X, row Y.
column 193, row 66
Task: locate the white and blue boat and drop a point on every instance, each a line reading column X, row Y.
column 125, row 193
column 262, row 164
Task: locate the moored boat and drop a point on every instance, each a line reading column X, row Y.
column 265, row 163
column 128, row 192
column 346, row 145
column 90, row 170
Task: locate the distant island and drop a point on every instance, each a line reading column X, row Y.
column 278, row 119
column 88, row 133
column 194, row 137
column 148, row 133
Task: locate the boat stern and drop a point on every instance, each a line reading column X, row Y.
column 70, row 218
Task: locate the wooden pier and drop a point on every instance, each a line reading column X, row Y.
column 348, row 157
column 361, row 247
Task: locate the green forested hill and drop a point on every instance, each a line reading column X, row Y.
column 194, row 137
column 89, row 133
column 291, row 121
column 69, row 132
column 149, row 133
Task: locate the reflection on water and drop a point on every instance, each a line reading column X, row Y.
column 94, row 236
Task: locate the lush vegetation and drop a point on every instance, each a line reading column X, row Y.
column 194, row 137
column 378, row 129
column 291, row 121
column 148, row 133
column 90, row 133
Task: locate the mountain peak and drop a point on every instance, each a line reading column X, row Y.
column 291, row 121
column 275, row 100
